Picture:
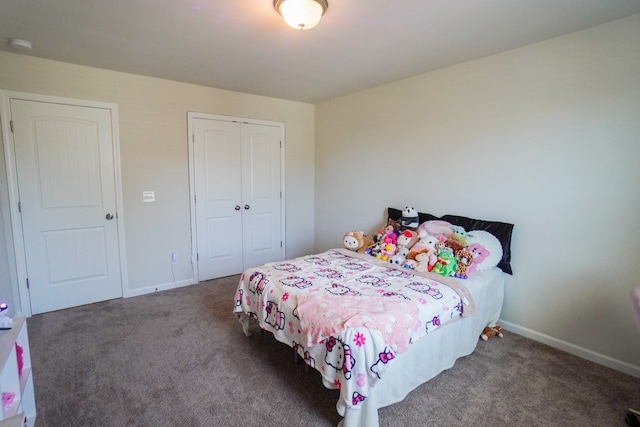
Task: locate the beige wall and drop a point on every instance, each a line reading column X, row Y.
column 546, row 137
column 154, row 155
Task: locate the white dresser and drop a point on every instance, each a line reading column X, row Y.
column 22, row 410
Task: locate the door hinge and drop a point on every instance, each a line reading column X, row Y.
column 27, row 283
column 280, row 243
column 193, row 138
column 19, row 207
column 197, row 257
column 11, row 125
column 280, row 144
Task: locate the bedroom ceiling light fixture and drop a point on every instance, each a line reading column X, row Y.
column 301, row 14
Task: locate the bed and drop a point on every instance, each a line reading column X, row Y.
column 373, row 330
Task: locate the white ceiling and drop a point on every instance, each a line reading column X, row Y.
column 244, row 45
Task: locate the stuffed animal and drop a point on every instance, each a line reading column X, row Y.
column 436, row 227
column 454, row 245
column 489, row 247
column 459, row 234
column 402, row 250
column 387, row 250
column 410, row 264
column 491, row 331
column 426, row 242
column 389, row 238
column 356, row 241
column 391, row 227
column 446, row 263
column 398, row 259
column 465, row 259
column 424, row 263
column 479, row 254
column 402, row 253
column 441, row 245
column 407, row 239
column 410, row 219
column 373, row 250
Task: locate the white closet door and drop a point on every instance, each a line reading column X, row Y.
column 237, row 184
column 261, row 194
column 217, row 182
column 66, row 181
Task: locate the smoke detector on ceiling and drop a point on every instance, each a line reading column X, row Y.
column 20, row 44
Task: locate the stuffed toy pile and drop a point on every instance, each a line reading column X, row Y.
column 436, row 246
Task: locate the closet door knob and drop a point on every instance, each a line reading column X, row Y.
column 237, row 207
column 247, row 207
column 109, row 216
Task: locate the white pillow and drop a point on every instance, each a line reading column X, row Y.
column 490, row 243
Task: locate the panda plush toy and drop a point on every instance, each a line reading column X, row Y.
column 409, row 219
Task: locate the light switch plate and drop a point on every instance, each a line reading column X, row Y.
column 148, row 196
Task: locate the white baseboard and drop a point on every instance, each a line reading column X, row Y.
column 582, row 352
column 157, row 288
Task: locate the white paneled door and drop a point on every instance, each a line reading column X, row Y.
column 238, row 195
column 66, row 182
column 218, row 188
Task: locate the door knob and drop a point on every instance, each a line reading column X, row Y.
column 109, row 216
column 247, row 206
column 237, row 207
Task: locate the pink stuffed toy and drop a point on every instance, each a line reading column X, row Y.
column 479, row 254
column 390, row 238
column 436, row 227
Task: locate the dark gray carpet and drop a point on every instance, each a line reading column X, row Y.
column 179, row 358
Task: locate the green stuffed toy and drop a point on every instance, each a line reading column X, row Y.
column 446, row 264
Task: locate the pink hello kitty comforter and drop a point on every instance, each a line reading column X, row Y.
column 348, row 315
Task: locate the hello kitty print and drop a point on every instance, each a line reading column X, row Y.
column 346, row 315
